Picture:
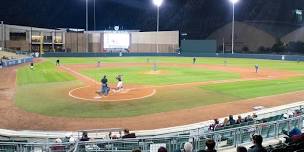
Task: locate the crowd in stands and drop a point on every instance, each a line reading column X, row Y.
column 231, row 121
column 294, row 138
column 249, row 119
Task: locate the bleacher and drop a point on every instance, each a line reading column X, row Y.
column 269, row 125
column 12, row 57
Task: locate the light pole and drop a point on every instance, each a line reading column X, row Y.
column 157, row 3
column 87, row 15
column 87, row 26
column 232, row 37
column 94, row 15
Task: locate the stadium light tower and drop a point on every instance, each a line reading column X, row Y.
column 87, row 15
column 87, row 25
column 232, row 38
column 157, row 3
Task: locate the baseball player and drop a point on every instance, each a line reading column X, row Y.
column 119, row 86
column 256, row 68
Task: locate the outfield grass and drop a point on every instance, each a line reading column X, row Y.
column 171, row 75
column 45, row 89
column 257, row 88
column 45, row 72
column 267, row 64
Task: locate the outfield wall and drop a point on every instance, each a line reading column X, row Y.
column 236, row 55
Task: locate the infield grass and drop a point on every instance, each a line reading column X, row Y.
column 169, row 75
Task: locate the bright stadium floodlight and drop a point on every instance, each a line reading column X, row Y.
column 234, row 1
column 157, row 3
column 232, row 37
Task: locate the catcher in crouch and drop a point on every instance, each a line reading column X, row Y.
column 119, row 86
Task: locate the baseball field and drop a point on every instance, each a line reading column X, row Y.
column 158, row 91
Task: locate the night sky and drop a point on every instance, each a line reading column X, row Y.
column 197, row 17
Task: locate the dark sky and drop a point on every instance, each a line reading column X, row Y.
column 199, row 17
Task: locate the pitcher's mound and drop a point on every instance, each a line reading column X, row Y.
column 91, row 93
column 158, row 72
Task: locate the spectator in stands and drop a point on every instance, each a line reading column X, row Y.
column 226, row 122
column 58, row 146
column 84, row 136
column 293, row 132
column 298, row 138
column 231, row 120
column 210, row 146
column 188, row 147
column 127, row 134
column 297, row 113
column 257, row 147
column 241, row 149
column 215, row 125
column 66, row 137
column 294, row 135
column 254, row 116
column 136, row 150
column 162, row 149
column 239, row 120
column 248, row 118
column 288, row 114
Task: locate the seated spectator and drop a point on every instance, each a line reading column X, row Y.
column 231, row 120
column 136, row 150
column 288, row 114
column 241, row 149
column 66, row 138
column 127, row 134
column 84, row 136
column 257, row 147
column 298, row 138
column 239, row 120
column 248, row 118
column 294, row 135
column 162, row 149
column 293, row 132
column 297, row 113
column 215, row 125
column 57, row 147
column 226, row 122
column 210, row 146
column 254, row 116
column 188, row 147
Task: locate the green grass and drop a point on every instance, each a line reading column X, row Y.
column 45, row 72
column 55, row 102
column 171, row 75
column 252, row 89
column 45, row 89
column 264, row 64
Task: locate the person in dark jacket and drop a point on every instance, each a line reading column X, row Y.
column 210, row 146
column 104, row 86
column 257, row 147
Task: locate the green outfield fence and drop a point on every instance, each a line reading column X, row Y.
column 226, row 55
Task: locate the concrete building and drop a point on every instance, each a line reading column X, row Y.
column 77, row 40
column 32, row 38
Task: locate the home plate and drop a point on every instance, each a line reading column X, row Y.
column 97, row 97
